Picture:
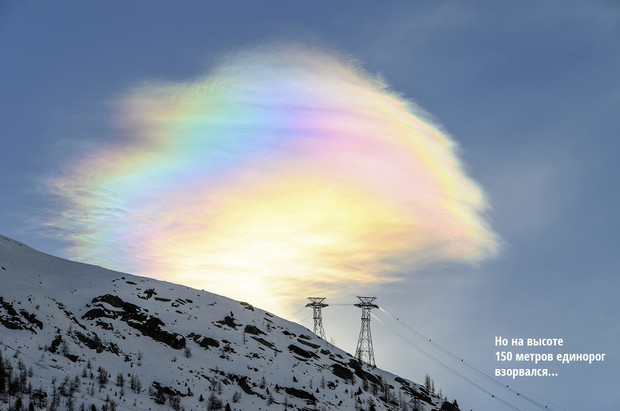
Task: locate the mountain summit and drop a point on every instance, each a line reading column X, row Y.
column 75, row 336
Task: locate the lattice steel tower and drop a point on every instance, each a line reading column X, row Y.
column 364, row 351
column 316, row 304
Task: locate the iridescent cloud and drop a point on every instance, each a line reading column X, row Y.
column 284, row 171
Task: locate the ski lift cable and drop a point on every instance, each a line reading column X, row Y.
column 450, row 369
column 519, row 392
column 36, row 361
column 433, row 358
column 539, row 401
column 514, row 390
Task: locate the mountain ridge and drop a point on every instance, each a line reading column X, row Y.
column 77, row 336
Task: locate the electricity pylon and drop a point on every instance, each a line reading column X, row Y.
column 364, row 351
column 316, row 304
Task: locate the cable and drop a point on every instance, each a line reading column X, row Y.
column 462, row 362
column 465, row 364
column 453, row 371
column 471, row 367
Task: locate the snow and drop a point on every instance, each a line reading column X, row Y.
column 187, row 342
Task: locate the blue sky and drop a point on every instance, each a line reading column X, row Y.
column 530, row 91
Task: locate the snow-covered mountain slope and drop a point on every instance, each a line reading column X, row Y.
column 74, row 336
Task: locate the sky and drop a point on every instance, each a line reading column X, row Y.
column 457, row 161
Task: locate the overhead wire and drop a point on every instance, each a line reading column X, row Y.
column 520, row 393
column 442, row 352
column 450, row 369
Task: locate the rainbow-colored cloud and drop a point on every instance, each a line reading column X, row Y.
column 284, row 170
